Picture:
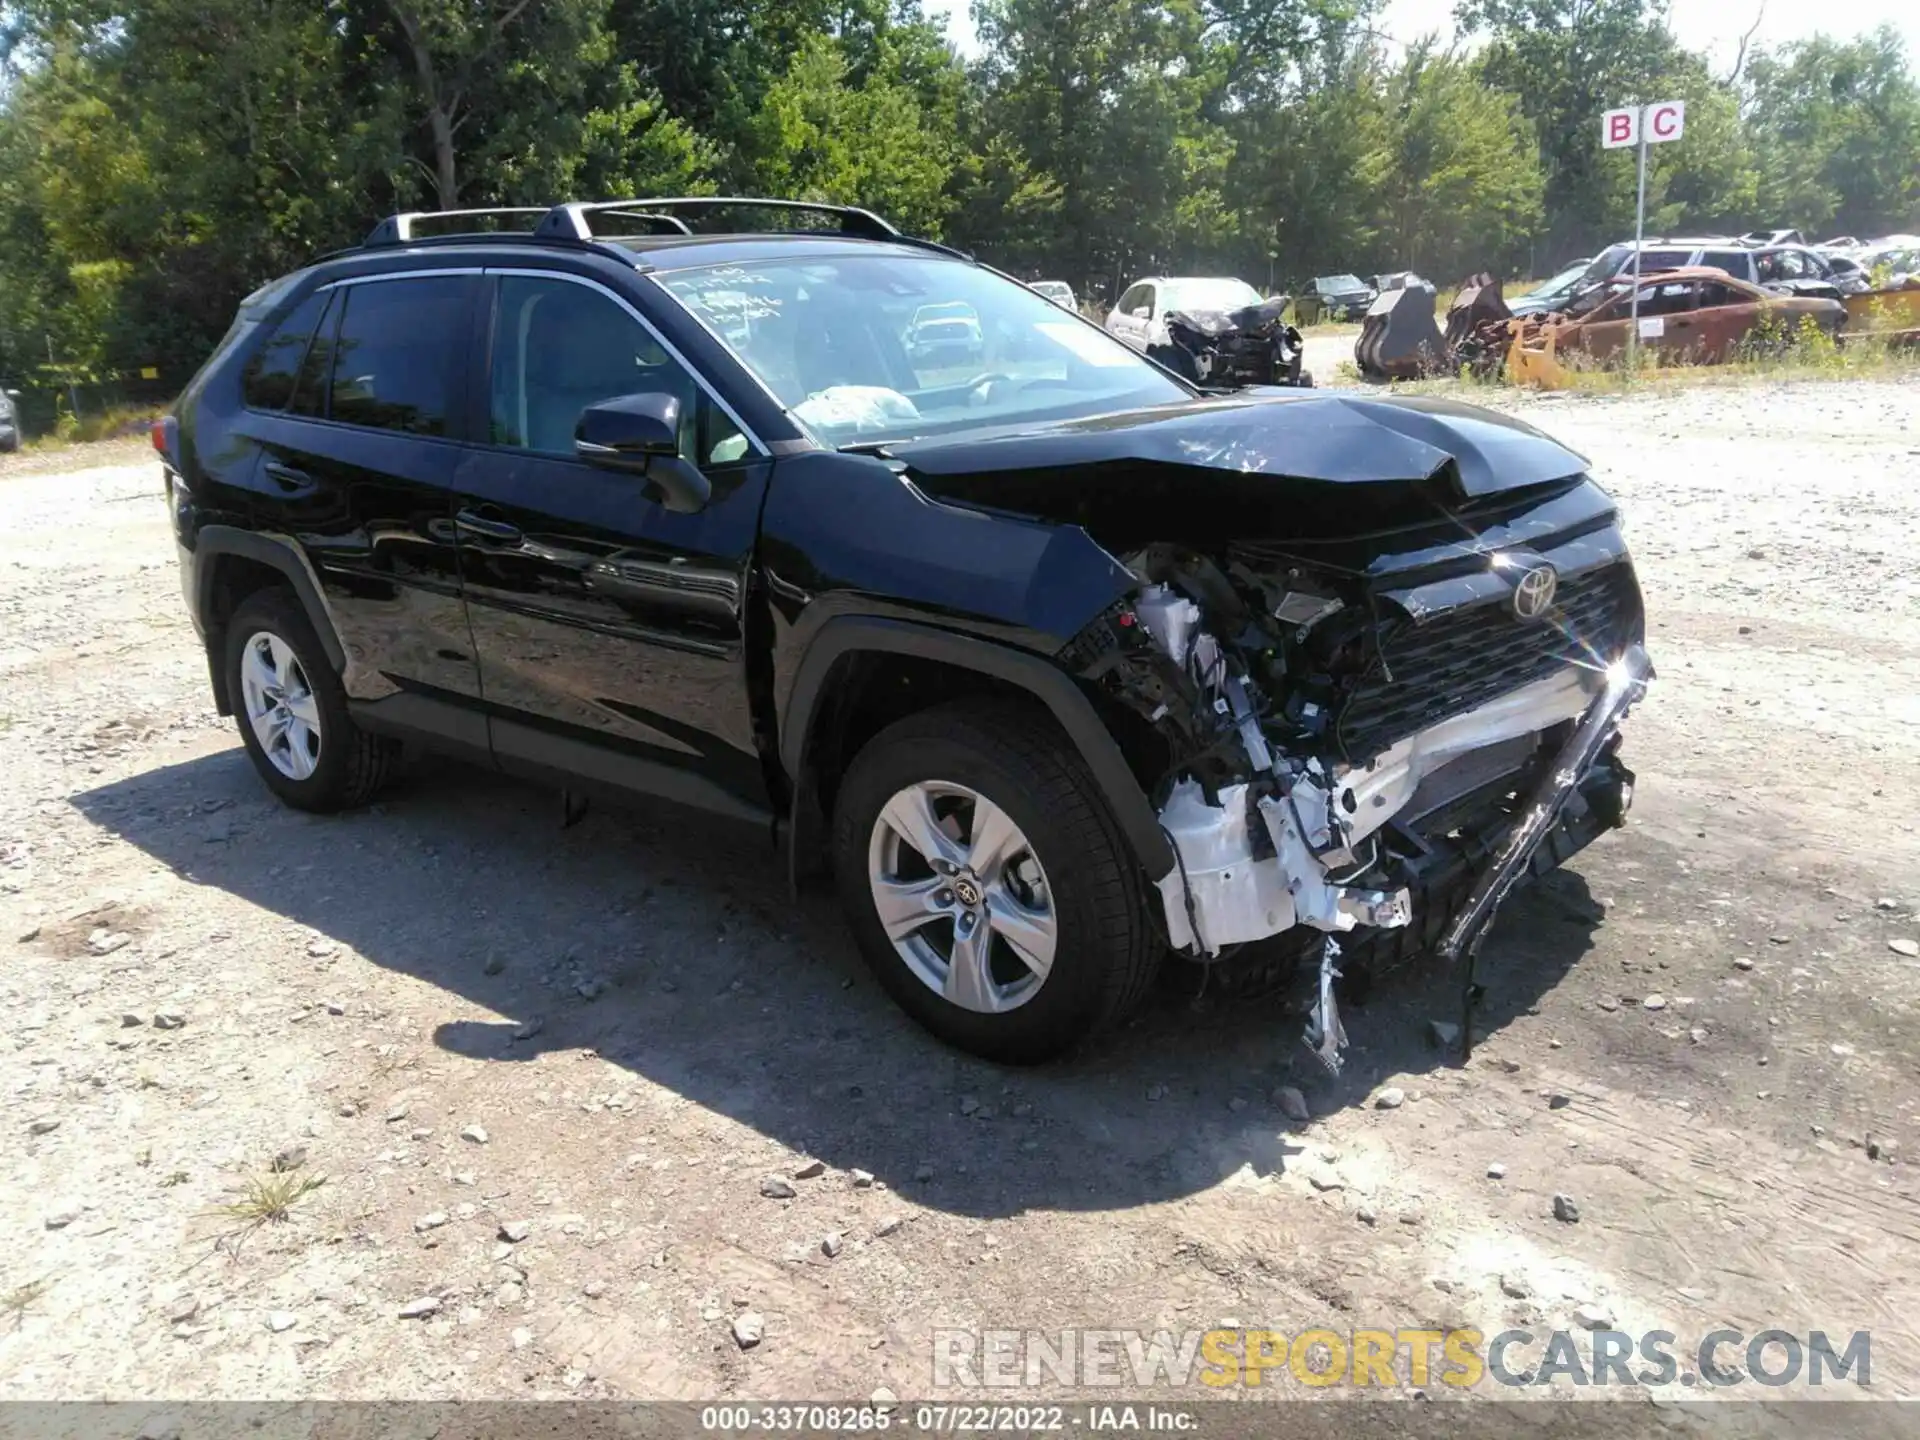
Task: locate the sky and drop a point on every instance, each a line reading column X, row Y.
column 1714, row 26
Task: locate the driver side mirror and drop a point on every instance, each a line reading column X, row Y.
column 640, row 435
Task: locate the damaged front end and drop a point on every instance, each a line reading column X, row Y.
column 1375, row 682
column 1221, row 351
column 1348, row 757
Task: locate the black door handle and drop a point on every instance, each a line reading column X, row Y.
column 499, row 530
column 288, row 477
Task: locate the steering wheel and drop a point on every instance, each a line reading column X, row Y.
column 985, row 378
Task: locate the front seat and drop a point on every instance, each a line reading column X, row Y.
column 580, row 350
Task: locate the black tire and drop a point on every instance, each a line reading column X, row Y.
column 1105, row 951
column 352, row 765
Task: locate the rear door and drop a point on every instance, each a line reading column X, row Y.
column 1723, row 316
column 611, row 632
column 358, row 453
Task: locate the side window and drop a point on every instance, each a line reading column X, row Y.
column 1736, row 263
column 395, row 353
column 310, row 389
column 1790, row 265
column 1713, row 295
column 1130, row 303
column 1147, row 304
column 267, row 383
column 1673, row 298
column 559, row 347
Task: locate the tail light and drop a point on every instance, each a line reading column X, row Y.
column 163, row 432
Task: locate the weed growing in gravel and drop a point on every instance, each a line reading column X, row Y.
column 269, row 1199
column 14, row 1303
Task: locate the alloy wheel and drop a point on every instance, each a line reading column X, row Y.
column 280, row 705
column 962, row 896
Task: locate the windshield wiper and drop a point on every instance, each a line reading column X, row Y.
column 872, row 447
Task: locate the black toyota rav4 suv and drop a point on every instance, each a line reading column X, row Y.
column 1059, row 663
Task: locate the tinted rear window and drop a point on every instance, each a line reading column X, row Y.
column 268, row 383
column 395, row 353
column 1661, row 259
column 1735, row 262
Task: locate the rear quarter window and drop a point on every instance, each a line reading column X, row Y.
column 269, row 378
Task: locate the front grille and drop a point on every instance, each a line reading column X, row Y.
column 1463, row 659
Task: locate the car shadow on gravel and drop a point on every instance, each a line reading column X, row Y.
column 668, row 944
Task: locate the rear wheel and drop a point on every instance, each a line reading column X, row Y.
column 987, row 884
column 292, row 709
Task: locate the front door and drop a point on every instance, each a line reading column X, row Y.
column 610, row 631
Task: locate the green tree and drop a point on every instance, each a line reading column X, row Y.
column 1839, row 125
column 1459, row 179
column 1566, row 62
column 821, row 136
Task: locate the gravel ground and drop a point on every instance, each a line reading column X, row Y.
column 546, row 1075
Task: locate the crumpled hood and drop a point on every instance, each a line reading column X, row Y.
column 1314, row 435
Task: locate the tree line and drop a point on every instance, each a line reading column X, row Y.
column 160, row 158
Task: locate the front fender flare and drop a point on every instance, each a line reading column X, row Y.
column 1046, row 682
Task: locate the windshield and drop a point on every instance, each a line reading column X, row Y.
column 1590, row 300
column 1335, row 284
column 1565, row 280
column 887, row 347
column 1206, row 295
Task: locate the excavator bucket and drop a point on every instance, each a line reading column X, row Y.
column 1891, row 315
column 1399, row 339
column 1479, row 326
column 1533, row 357
column 1478, row 302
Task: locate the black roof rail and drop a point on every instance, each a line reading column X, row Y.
column 573, row 221
column 398, row 229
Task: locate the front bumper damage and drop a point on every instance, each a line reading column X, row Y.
column 1310, row 844
column 1626, row 681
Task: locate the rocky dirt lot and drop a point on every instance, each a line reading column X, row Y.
column 575, row 1112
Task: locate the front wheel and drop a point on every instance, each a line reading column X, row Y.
column 987, row 883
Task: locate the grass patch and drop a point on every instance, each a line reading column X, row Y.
column 114, row 423
column 15, row 1303
column 269, row 1199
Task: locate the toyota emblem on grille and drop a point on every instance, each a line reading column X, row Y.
column 1533, row 596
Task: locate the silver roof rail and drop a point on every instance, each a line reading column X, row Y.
column 398, row 229
column 574, row 221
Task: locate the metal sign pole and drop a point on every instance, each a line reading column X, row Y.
column 1639, row 239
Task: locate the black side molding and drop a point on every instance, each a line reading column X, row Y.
column 282, row 555
column 1050, row 685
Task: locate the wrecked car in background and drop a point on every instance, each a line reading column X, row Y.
column 1139, row 316
column 1686, row 317
column 1250, row 346
column 1554, row 292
